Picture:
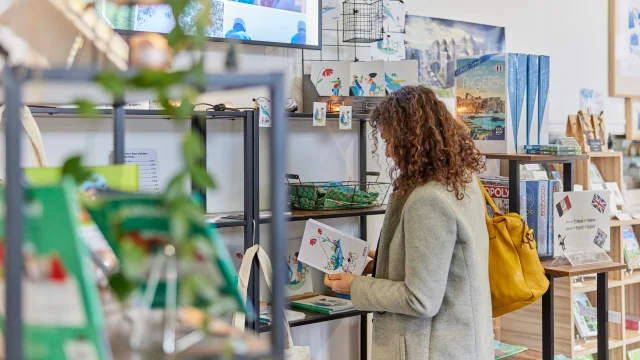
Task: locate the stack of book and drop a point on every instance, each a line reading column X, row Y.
column 553, row 149
column 324, row 304
column 265, row 315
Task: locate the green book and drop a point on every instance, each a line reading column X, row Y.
column 62, row 313
column 137, row 227
column 633, row 354
column 324, row 304
column 502, row 350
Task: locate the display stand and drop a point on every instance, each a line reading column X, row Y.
column 82, row 82
column 568, row 162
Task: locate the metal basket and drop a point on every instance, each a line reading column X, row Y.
column 336, row 195
column 362, row 21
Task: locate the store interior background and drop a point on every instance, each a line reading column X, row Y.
column 573, row 32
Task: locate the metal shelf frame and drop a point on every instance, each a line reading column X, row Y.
column 13, row 80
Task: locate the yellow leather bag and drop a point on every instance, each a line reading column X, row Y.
column 516, row 276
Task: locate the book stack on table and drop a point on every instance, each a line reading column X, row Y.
column 557, row 150
column 265, row 315
column 324, row 304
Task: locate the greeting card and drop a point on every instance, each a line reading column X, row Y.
column 367, row 78
column 331, row 77
column 400, row 73
column 319, row 114
column 345, row 117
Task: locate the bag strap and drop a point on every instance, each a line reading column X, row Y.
column 488, row 200
column 243, row 283
column 33, row 132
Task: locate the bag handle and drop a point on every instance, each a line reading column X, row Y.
column 488, row 200
column 243, row 284
column 35, row 137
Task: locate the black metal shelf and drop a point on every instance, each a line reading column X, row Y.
column 53, row 111
column 313, row 317
column 330, row 116
column 299, row 215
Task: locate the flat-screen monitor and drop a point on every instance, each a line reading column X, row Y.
column 289, row 23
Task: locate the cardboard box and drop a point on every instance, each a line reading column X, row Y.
column 490, row 93
column 554, row 186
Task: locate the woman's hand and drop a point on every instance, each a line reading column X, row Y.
column 340, row 283
column 368, row 269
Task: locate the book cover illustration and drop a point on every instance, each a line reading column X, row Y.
column 345, row 117
column 502, row 350
column 391, row 47
column 631, row 249
column 62, row 312
column 298, row 279
column 400, row 73
column 393, row 15
column 331, row 78
column 319, row 114
column 581, row 221
column 367, row 78
column 586, row 326
column 481, row 99
column 332, row 251
column 534, row 207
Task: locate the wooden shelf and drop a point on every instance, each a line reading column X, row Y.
column 604, row 154
column 591, row 347
column 634, row 278
column 590, row 285
column 618, row 223
column 536, row 157
column 568, row 270
column 631, row 336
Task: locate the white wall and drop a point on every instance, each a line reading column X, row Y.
column 572, row 32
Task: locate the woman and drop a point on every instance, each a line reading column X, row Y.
column 431, row 292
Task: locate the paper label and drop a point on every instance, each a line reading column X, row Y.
column 149, row 173
column 50, row 303
column 80, row 350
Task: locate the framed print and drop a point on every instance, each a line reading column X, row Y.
column 624, row 48
column 633, row 119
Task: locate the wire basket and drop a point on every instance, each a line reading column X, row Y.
column 362, row 21
column 335, row 195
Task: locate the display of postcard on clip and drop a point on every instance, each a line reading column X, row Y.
column 581, row 221
column 332, row 251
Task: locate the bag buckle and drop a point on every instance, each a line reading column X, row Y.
column 527, row 238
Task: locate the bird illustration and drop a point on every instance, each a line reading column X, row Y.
column 356, row 88
column 392, row 84
column 264, row 111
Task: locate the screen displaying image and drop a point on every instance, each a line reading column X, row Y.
column 285, row 22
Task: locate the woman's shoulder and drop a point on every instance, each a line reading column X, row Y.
column 435, row 192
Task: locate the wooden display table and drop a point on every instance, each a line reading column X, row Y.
column 602, row 285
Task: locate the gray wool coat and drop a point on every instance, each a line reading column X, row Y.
column 430, row 293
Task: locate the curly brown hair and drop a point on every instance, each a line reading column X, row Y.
column 425, row 142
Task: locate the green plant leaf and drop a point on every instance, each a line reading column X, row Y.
column 201, row 178
column 113, row 82
column 179, row 224
column 176, row 187
column 192, row 149
column 319, row 81
column 122, row 287
column 73, row 167
column 86, row 107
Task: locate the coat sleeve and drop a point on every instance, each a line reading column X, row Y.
column 429, row 226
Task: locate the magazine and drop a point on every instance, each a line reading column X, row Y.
column 631, row 249
column 586, row 326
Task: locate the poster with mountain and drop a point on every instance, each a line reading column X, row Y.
column 438, row 43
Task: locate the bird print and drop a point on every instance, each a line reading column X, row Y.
column 392, row 84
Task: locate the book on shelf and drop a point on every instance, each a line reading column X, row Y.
column 498, row 189
column 633, row 354
column 502, row 350
column 291, row 315
column 632, row 322
column 554, row 187
column 534, row 208
column 630, row 249
column 594, row 175
column 586, row 326
column 324, row 304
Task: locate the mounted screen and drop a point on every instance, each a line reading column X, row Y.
column 289, row 23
